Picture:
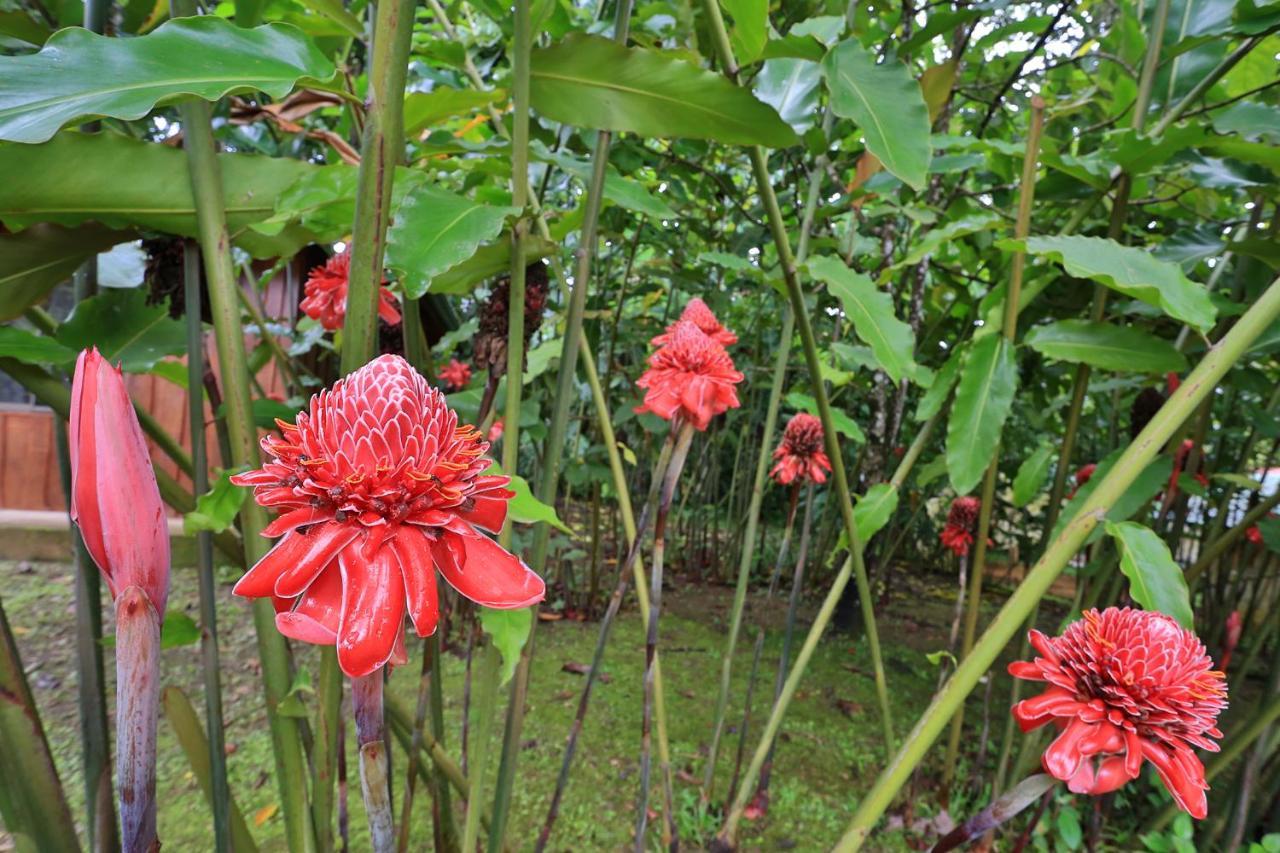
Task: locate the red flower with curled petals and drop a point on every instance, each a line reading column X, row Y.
column 961, row 521
column 326, row 294
column 800, row 455
column 380, row 487
column 697, row 312
column 691, row 378
column 456, row 375
column 1125, row 685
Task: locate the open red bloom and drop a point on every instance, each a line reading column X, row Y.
column 456, row 375
column 961, row 521
column 800, row 454
column 326, row 299
column 697, row 312
column 380, row 486
column 692, row 378
column 1125, row 685
column 1084, row 475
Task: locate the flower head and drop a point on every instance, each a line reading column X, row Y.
column 800, row 454
column 691, row 377
column 1231, row 637
column 1084, row 475
column 962, row 519
column 1125, row 685
column 114, row 497
column 697, row 312
column 326, row 289
column 456, row 375
column 1254, row 535
column 380, row 486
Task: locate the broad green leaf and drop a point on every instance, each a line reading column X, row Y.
column 1031, row 475
column 887, row 106
column 37, row 260
column 524, row 508
column 32, row 348
column 790, row 86
column 1106, row 346
column 874, row 509
column 750, row 28
column 621, row 191
column 736, row 263
column 19, row 25
column 136, row 184
column 1270, row 529
column 935, row 239
column 178, row 629
column 125, row 329
column 331, row 9
column 509, row 630
column 933, row 399
column 487, row 262
column 1251, row 120
column 931, row 470
column 589, row 81
column 1239, row 481
column 216, row 509
column 984, row 396
column 1131, row 271
column 844, row 424
column 1147, row 485
column 79, row 75
column 1155, row 581
column 871, row 311
column 434, row 230
column 425, row 109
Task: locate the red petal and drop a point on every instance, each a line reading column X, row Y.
column 295, row 519
column 373, row 605
column 488, row 513
column 413, row 550
column 1183, row 775
column 294, row 555
column 315, row 618
column 1063, row 757
column 491, row 576
column 1112, row 775
column 84, row 460
column 1027, row 670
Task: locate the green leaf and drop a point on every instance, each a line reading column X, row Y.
column 524, row 508
column 984, row 396
column 589, row 81
column 40, row 258
column 217, row 508
column 426, row 109
column 1239, row 481
column 886, row 103
column 1103, row 345
column 434, row 230
column 750, row 28
column 1155, row 581
column 1251, row 120
column 140, row 185
column 1031, row 475
column 871, row 311
column 873, row 510
column 621, row 191
column 178, row 629
column 736, row 263
column 79, row 75
column 487, row 262
column 790, row 86
column 935, row 239
column 933, row 399
column 32, row 348
column 843, row 423
column 1147, row 485
column 1269, row 527
column 337, row 13
column 125, row 329
column 1133, row 272
column 19, row 25
column 509, row 630
column 1069, row 830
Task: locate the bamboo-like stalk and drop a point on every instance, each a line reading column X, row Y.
column 1215, row 548
column 487, row 677
column 215, row 244
column 1022, row 227
column 1139, row 454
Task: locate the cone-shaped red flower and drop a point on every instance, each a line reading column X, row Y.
column 114, row 496
column 697, row 312
column 961, row 521
column 1125, row 685
column 326, row 294
column 380, row 486
column 800, row 455
column 455, row 375
column 690, row 378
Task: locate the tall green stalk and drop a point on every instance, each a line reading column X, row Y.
column 273, row 652
column 1198, row 385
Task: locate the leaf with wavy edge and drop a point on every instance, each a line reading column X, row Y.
column 984, row 397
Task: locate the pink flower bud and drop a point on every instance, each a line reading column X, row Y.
column 114, row 496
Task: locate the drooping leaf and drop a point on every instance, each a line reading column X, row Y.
column 1107, row 346
column 425, row 109
column 19, row 25
column 1031, row 475
column 887, row 106
column 509, row 630
column 35, row 261
column 874, row 509
column 1155, row 581
column 750, row 28
column 524, row 508
column 790, row 86
column 79, row 74
column 488, row 261
column 871, row 311
column 622, row 191
column 844, row 424
column 125, row 329
column 216, row 509
column 589, row 81
column 32, row 348
column 945, row 379
column 984, row 397
column 1131, row 271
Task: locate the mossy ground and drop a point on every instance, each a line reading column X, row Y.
column 829, row 752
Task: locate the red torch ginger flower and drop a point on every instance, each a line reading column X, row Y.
column 380, row 486
column 1254, row 535
column 1125, row 685
column 495, row 431
column 1231, row 637
column 800, row 454
column 326, row 299
column 961, row 521
column 697, row 312
column 1084, row 475
column 456, row 375
column 691, row 377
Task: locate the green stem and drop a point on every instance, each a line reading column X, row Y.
column 487, row 676
column 1215, row 549
column 1199, row 384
